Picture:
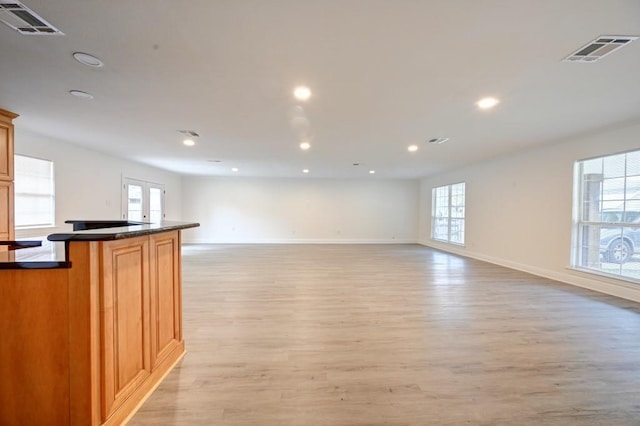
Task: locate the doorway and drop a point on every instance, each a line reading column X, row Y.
column 142, row 201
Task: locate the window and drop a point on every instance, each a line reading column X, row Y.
column 34, row 193
column 607, row 215
column 447, row 216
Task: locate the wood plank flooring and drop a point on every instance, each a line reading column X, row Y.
column 392, row 335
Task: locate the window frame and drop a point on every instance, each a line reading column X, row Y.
column 450, row 218
column 583, row 254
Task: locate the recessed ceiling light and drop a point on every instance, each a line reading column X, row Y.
column 487, row 103
column 190, row 137
column 305, row 170
column 412, row 148
column 80, row 94
column 88, row 60
column 235, row 169
column 372, row 172
column 302, row 93
column 305, row 146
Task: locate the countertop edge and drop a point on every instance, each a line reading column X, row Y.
column 106, row 234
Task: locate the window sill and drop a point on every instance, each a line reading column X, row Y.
column 26, row 228
column 631, row 283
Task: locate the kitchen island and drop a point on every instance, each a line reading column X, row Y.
column 89, row 328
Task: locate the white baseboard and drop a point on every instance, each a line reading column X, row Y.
column 301, row 241
column 610, row 286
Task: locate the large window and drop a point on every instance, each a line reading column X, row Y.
column 607, row 215
column 447, row 216
column 34, row 193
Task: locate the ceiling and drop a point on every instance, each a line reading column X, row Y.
column 384, row 74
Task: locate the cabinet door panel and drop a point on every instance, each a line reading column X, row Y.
column 125, row 320
column 166, row 311
column 6, row 210
column 6, row 151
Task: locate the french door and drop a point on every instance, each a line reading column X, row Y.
column 142, row 201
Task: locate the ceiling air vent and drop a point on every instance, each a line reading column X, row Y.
column 191, row 133
column 24, row 20
column 438, row 141
column 599, row 48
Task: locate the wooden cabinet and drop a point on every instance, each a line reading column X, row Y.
column 141, row 313
column 6, row 175
column 86, row 345
column 141, row 317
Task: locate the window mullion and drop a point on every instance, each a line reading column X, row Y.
column 449, row 213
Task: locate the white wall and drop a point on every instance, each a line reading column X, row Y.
column 249, row 210
column 88, row 183
column 519, row 208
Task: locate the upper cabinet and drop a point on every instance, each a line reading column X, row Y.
column 6, row 176
column 6, row 145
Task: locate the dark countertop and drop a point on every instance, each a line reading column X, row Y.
column 49, row 255
column 119, row 232
column 83, row 225
column 53, row 252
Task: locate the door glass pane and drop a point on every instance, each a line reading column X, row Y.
column 155, row 205
column 134, row 203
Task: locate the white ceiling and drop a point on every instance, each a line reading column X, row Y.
column 384, row 74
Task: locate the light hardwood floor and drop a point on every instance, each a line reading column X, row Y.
column 392, row 334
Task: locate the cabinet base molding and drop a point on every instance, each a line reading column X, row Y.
column 129, row 408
